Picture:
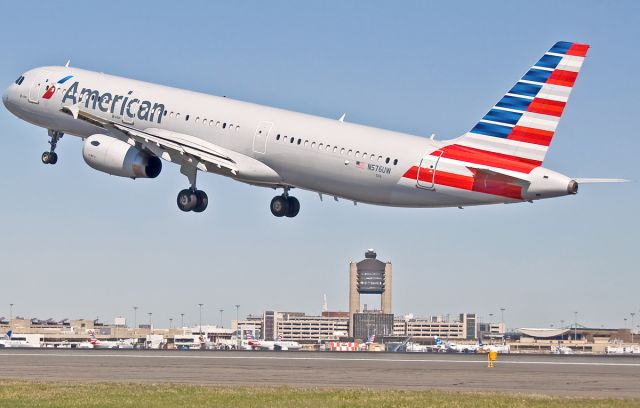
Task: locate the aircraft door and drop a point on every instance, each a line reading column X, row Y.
column 261, row 136
column 132, row 109
column 426, row 177
column 34, row 90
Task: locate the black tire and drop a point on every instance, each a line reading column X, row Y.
column 201, row 201
column 294, row 207
column 46, row 157
column 187, row 200
column 279, row 206
column 53, row 158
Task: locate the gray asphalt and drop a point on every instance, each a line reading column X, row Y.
column 593, row 376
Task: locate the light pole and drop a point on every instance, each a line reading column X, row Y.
column 238, row 332
column 200, row 304
column 149, row 321
column 502, row 309
column 135, row 319
column 562, row 327
column 633, row 315
column 625, row 323
column 171, row 323
column 221, row 310
column 181, row 320
column 575, row 327
column 10, row 314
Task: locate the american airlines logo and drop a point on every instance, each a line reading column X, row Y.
column 115, row 104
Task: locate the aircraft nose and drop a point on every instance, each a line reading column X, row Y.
column 5, row 97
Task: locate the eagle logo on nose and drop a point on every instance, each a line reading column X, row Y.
column 52, row 89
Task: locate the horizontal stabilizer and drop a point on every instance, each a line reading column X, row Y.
column 599, row 180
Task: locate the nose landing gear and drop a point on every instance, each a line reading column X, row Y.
column 51, row 157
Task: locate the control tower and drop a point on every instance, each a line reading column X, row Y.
column 369, row 276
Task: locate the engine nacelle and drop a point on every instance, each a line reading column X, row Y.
column 110, row 155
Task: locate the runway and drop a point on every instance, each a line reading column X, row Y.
column 597, row 376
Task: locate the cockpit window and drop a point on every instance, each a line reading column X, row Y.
column 19, row 80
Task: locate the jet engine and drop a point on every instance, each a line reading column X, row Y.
column 113, row 156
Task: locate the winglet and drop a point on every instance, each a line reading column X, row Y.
column 67, row 64
column 342, row 117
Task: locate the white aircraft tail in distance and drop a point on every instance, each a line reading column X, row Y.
column 130, row 127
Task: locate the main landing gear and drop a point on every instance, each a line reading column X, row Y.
column 194, row 200
column 51, row 157
column 191, row 199
column 285, row 205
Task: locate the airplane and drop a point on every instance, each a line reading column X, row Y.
column 109, row 344
column 129, row 127
column 10, row 341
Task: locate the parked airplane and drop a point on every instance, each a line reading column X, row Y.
column 10, row 341
column 109, row 344
column 128, row 126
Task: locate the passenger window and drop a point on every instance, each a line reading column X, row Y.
column 293, row 139
column 395, row 162
column 306, row 143
column 210, row 123
column 335, row 149
column 349, row 153
column 186, row 117
column 237, row 128
column 379, row 159
column 178, row 115
column 165, row 113
column 313, row 145
column 387, row 161
column 224, row 125
column 342, row 151
column 321, row 145
column 278, row 137
column 299, row 141
column 373, row 156
column 197, row 119
column 358, row 153
column 218, row 124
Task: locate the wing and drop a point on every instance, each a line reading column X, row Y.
column 171, row 146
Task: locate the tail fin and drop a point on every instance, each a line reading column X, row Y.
column 515, row 134
column 9, row 335
column 438, row 340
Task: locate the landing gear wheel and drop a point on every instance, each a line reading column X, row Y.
column 279, row 206
column 187, row 200
column 46, row 157
column 294, row 207
column 201, row 201
column 53, row 158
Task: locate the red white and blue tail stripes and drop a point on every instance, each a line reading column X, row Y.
column 515, row 134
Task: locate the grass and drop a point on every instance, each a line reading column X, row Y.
column 17, row 394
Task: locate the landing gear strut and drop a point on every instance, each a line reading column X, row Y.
column 285, row 205
column 192, row 199
column 51, row 157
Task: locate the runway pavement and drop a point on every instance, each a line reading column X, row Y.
column 598, row 376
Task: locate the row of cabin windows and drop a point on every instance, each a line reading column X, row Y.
column 204, row 121
column 334, row 149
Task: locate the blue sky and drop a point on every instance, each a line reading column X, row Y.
column 78, row 243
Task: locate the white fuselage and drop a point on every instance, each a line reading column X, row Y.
column 340, row 159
